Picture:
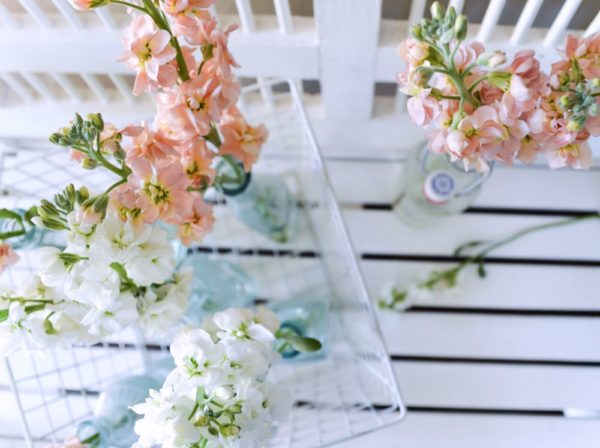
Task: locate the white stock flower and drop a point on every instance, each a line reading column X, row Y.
column 110, row 319
column 241, row 324
column 51, row 268
column 155, row 260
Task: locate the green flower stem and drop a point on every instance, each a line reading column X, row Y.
column 480, row 80
column 237, row 169
column 162, row 23
column 115, row 185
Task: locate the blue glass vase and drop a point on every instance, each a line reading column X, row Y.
column 217, row 284
column 307, row 317
column 265, row 204
column 34, row 236
column 112, row 424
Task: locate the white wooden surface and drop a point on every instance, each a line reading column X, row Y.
column 498, row 365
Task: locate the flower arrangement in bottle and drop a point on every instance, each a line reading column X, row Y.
column 117, row 267
column 484, row 110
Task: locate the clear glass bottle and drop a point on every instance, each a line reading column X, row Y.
column 217, row 284
column 179, row 248
column 434, row 187
column 113, row 422
column 34, row 236
column 307, row 317
column 265, row 204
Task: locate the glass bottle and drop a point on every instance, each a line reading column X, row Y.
column 434, row 187
column 217, row 284
column 307, row 317
column 34, row 236
column 265, row 204
column 112, row 424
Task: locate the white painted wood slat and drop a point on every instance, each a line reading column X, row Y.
column 34, row 10
column 244, row 8
column 561, row 22
column 521, row 337
column 525, row 20
column 6, row 17
column 284, row 16
column 490, row 19
column 424, row 430
column 382, row 232
column 69, row 13
column 497, row 386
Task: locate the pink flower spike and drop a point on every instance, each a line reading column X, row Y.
column 149, row 144
column 8, row 256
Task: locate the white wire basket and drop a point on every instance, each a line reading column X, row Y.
column 350, row 392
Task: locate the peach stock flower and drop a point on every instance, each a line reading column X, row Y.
column 188, row 108
column 423, row 108
column 587, row 52
column 187, row 15
column 477, row 134
column 8, row 256
column 149, row 144
column 577, row 155
column 161, row 190
column 148, row 51
column 240, row 139
column 466, row 55
column 413, row 52
column 197, row 159
column 123, row 200
column 527, row 80
column 197, row 223
column 210, row 35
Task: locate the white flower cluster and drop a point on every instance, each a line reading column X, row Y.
column 218, row 395
column 111, row 274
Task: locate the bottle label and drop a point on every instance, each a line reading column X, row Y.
column 439, row 187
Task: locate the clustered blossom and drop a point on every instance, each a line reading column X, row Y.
column 168, row 164
column 218, row 395
column 482, row 111
column 111, row 275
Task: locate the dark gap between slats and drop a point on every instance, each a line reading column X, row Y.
column 222, row 250
column 502, row 311
column 495, row 361
column 498, row 210
column 489, row 260
column 384, row 407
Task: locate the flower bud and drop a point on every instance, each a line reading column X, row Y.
column 417, row 32
column 437, row 11
column 563, row 102
column 203, row 420
column 575, row 124
column 595, row 83
column 451, row 15
column 207, row 52
column 96, row 121
column 491, row 59
column 460, row 27
column 55, row 138
column 230, row 430
column 88, row 163
column 100, row 203
column 593, row 110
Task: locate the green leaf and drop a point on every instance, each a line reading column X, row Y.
column 481, row 271
column 3, row 315
column 304, row 345
column 30, row 214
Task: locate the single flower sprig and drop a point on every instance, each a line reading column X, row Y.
column 448, row 278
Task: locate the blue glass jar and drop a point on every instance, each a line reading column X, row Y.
column 112, row 424
column 307, row 317
column 33, row 237
column 265, row 204
column 217, row 284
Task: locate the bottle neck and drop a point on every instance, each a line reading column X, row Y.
column 231, row 190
